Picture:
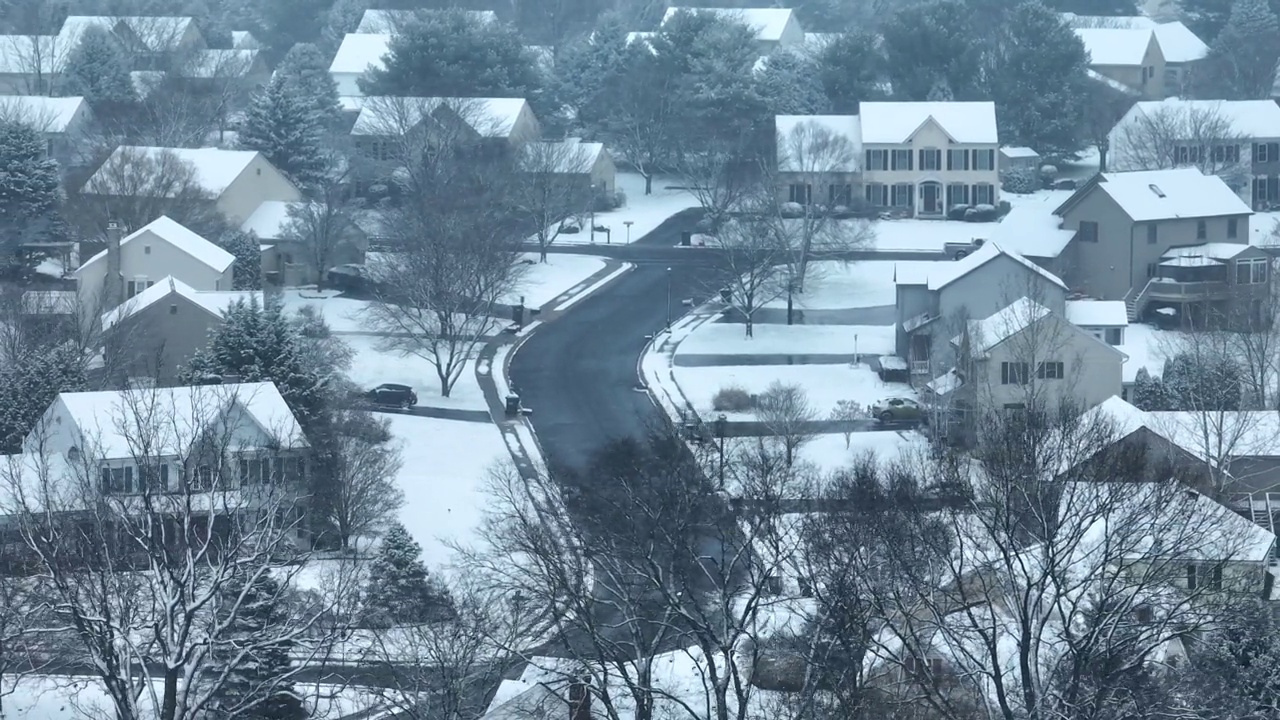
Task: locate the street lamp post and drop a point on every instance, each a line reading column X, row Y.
column 668, row 299
column 722, row 423
column 628, row 223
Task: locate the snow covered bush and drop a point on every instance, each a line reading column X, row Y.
column 1019, row 181
column 606, row 201
column 791, row 210
column 732, row 399
column 957, row 211
column 980, row 213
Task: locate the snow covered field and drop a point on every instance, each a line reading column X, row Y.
column 867, row 283
column 645, row 212
column 372, row 366
column 825, row 385
column 443, row 475
column 540, row 283
column 1147, row 346
column 730, row 339
column 827, row 452
column 342, row 314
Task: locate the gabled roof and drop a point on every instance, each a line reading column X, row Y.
column 892, row 123
column 1008, row 321
column 212, row 301
column 181, row 238
column 390, row 21
column 215, row 169
column 243, row 39
column 360, row 52
column 846, row 126
column 1179, row 44
column 1147, row 195
column 1214, row 253
column 1248, row 118
column 573, row 156
column 948, row 272
column 211, row 64
column 490, row 117
column 108, row 419
column 1097, row 313
column 269, row 220
column 769, row 23
column 1116, row 46
column 46, row 114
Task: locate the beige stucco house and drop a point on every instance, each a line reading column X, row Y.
column 236, row 181
column 161, row 249
column 1161, row 238
column 155, row 333
column 1180, row 49
column 587, row 165
column 1129, row 56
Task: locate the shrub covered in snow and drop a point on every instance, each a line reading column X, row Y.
column 606, row 201
column 1020, row 181
column 733, row 399
column 957, row 211
column 980, row 213
column 792, row 210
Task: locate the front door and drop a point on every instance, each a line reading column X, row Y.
column 930, row 198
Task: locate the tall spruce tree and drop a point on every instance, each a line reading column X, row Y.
column 30, row 197
column 305, row 70
column 257, row 685
column 98, row 69
column 246, row 271
column 284, row 126
column 932, row 40
column 789, row 84
column 850, row 68
column 1148, row 392
column 1242, row 59
column 400, row 590
column 30, row 382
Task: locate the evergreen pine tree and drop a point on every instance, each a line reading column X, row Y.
column 930, row 40
column 941, row 91
column 400, row 591
column 1211, row 384
column 255, row 687
column 247, row 269
column 1148, row 392
column 849, row 68
column 285, row 127
column 591, row 72
column 305, row 71
column 258, row 343
column 30, row 382
column 98, row 69
column 789, row 84
column 1242, row 60
column 30, row 197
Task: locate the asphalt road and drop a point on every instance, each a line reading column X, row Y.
column 578, row 374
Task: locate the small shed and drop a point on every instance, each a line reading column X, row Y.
column 1019, row 158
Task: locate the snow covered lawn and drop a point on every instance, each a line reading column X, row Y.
column 372, row 366
column 540, row 283
column 342, row 314
column 923, row 235
column 868, row 283
column 828, row 453
column 729, row 339
column 825, row 385
column 1147, row 346
column 645, row 212
column 444, row 473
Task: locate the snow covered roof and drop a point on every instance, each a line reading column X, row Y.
column 791, row 132
column 159, row 32
column 387, row 116
column 1018, row 151
column 181, row 238
column 1116, row 46
column 893, row 123
column 219, row 63
column 818, row 41
column 948, row 272
column 641, row 36
column 244, row 40
column 1108, row 21
column 1235, row 433
column 1097, row 313
column 1248, row 118
column 390, row 21
column 1179, row 44
column 1112, row 83
column 576, row 157
column 1147, row 195
column 215, row 168
column 46, row 114
column 351, row 103
column 269, row 220
column 1032, row 229
column 213, row 301
column 107, row 419
column 50, row 302
column 29, row 54
column 1215, row 253
column 359, row 52
column 769, row 23
column 1009, row 321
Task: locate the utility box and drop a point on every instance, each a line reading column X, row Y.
column 513, row 405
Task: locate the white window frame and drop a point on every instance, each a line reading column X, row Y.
column 951, row 194
column 877, row 194
column 930, row 159
column 897, row 156
column 983, row 189
column 902, row 195
column 877, row 159
column 984, row 160
column 954, row 154
column 1257, row 270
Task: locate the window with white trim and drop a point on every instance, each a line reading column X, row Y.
column 800, row 193
column 903, row 194
column 930, row 159
column 119, row 481
column 984, row 194
column 901, row 160
column 1266, row 152
column 1014, row 373
column 1051, row 370
column 1251, row 271
column 877, row 159
column 957, row 194
column 957, row 159
column 877, row 194
column 984, row 159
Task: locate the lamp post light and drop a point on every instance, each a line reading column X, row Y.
column 721, row 424
column 668, row 299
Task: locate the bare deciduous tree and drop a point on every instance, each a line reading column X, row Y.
column 323, row 228
column 142, row 525
column 553, row 184
column 757, row 260
column 787, row 413
column 136, row 185
column 364, row 479
column 39, row 59
column 1182, row 135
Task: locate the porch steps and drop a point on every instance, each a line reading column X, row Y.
column 1131, row 308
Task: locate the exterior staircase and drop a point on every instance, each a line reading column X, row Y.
column 1135, row 301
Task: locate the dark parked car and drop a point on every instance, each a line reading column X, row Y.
column 392, row 395
column 350, row 277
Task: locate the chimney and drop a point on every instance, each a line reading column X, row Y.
column 579, row 700
column 113, row 286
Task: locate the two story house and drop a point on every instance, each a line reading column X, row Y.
column 64, row 122
column 932, row 307
column 1163, row 239
column 286, row 260
column 386, row 127
column 917, row 158
column 155, row 333
column 1134, row 50
column 1238, row 140
column 235, row 182
column 196, row 452
column 133, row 263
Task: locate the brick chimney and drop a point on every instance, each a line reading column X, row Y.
column 113, row 284
column 579, row 700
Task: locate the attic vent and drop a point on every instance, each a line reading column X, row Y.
column 1156, row 189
